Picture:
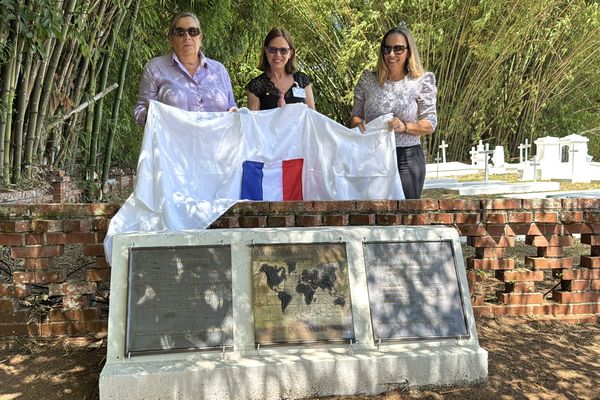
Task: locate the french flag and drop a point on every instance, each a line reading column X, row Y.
column 277, row 181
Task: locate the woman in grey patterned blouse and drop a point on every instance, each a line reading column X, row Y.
column 400, row 87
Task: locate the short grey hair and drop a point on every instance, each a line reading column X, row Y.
column 180, row 15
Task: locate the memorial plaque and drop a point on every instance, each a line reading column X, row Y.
column 301, row 293
column 414, row 290
column 179, row 298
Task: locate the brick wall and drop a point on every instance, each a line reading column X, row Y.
column 41, row 295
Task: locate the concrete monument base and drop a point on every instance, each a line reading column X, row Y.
column 293, row 376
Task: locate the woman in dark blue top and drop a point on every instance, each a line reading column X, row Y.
column 280, row 83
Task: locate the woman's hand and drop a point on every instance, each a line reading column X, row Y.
column 397, row 125
column 233, row 109
column 357, row 121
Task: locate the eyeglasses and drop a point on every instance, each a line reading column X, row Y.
column 283, row 50
column 193, row 32
column 398, row 49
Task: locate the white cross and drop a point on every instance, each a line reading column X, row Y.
column 486, row 154
column 521, row 148
column 437, row 165
column 573, row 151
column 472, row 153
column 527, row 145
column 443, row 146
column 535, row 162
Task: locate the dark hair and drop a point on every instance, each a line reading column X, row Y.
column 412, row 67
column 290, row 66
column 180, row 15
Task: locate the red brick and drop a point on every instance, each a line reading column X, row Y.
column 11, row 239
column 483, row 311
column 575, row 297
column 575, row 285
column 595, row 284
column 519, row 287
column 60, row 315
column 280, row 221
column 501, row 204
column 570, row 217
column 550, row 251
column 26, row 329
column 388, row 219
column 376, row 206
column 520, row 298
column 520, row 217
column 100, row 224
column 43, row 226
column 591, row 216
column 415, row 219
column 548, row 263
column 335, row 206
column 578, row 228
column 309, row 220
column 63, row 328
column 225, row 222
column 38, row 263
column 499, row 230
column 580, row 273
column 100, row 237
column 35, row 238
column 542, row 204
column 540, row 229
column 418, row 205
column 17, row 317
column 56, row 238
column 38, row 277
column 592, row 240
column 336, row 220
column 491, row 241
column 490, row 252
column 251, row 207
column 97, row 275
column 15, row 226
column 291, row 206
column 362, row 219
column 8, row 305
column 472, row 230
column 519, row 275
column 78, row 225
column 545, row 217
column 71, row 288
column 595, row 251
column 520, row 229
column 248, row 221
column 491, row 263
column 594, row 227
column 36, row 251
column 593, row 308
column 461, row 218
column 589, row 262
column 13, row 290
column 80, row 237
column 494, row 218
column 441, row 218
column 76, row 302
column 459, row 205
column 552, row 240
column 474, row 276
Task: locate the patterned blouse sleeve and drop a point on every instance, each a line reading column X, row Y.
column 426, row 100
column 255, row 86
column 359, row 96
column 303, row 80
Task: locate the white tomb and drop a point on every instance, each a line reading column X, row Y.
column 565, row 158
column 365, row 364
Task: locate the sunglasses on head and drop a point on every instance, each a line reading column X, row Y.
column 193, row 32
column 283, row 50
column 398, row 49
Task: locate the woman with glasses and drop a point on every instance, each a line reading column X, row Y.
column 280, row 83
column 400, row 87
column 185, row 78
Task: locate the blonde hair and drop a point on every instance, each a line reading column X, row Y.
column 412, row 66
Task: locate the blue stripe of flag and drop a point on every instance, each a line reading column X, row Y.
column 252, row 178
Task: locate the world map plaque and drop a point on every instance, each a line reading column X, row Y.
column 414, row 290
column 179, row 298
column 301, row 293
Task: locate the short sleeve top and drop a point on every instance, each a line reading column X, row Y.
column 268, row 94
column 410, row 99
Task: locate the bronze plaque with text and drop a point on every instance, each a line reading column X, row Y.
column 179, row 298
column 301, row 293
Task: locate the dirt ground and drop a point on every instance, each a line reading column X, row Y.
column 527, row 360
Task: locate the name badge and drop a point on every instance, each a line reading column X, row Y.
column 299, row 92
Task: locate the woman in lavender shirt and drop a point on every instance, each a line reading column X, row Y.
column 186, row 78
column 401, row 87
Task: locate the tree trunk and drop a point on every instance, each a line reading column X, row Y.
column 21, row 109
column 8, row 89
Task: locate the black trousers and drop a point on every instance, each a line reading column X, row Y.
column 411, row 166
